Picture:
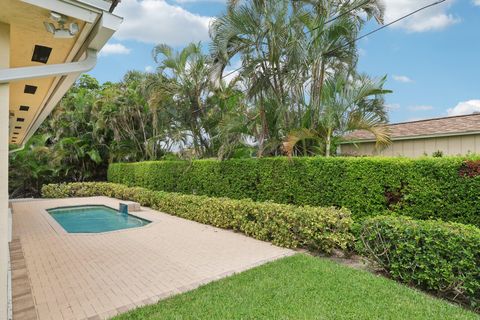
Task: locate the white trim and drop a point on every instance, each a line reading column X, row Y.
column 442, row 135
column 10, row 225
column 68, row 9
column 9, row 289
column 104, row 5
column 18, row 149
column 65, row 83
column 9, row 274
column 50, row 70
column 104, row 26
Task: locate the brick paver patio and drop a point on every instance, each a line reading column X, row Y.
column 81, row 276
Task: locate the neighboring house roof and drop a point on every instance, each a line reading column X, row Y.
column 437, row 127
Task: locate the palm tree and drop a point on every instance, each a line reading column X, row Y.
column 30, row 168
column 332, row 27
column 122, row 109
column 348, row 103
column 188, row 74
column 288, row 50
column 261, row 33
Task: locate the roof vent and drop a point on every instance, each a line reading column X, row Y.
column 30, row 89
column 24, row 108
column 41, row 54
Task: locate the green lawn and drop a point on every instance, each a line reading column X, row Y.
column 302, row 287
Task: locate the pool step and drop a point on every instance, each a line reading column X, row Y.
column 132, row 206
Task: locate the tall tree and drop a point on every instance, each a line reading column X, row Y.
column 348, row 103
column 188, row 75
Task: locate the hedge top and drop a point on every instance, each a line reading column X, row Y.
column 443, row 188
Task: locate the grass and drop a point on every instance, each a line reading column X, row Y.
column 302, row 287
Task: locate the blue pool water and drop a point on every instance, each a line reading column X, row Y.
column 94, row 219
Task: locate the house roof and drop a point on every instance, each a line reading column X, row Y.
column 33, row 47
column 446, row 126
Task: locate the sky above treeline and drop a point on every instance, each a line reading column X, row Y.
column 432, row 59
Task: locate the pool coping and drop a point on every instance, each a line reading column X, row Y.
column 57, row 227
column 151, row 215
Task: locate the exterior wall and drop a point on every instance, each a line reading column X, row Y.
column 4, row 119
column 456, row 145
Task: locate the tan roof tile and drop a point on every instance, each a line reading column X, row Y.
column 429, row 127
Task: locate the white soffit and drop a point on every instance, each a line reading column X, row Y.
column 67, row 60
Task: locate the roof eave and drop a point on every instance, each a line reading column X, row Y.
column 105, row 25
column 442, row 135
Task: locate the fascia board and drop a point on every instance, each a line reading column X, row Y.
column 89, row 15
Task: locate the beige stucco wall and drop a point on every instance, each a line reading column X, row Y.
column 457, row 145
column 4, row 118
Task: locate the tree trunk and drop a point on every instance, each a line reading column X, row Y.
column 328, row 143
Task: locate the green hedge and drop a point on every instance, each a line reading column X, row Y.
column 319, row 229
column 423, row 189
column 440, row 257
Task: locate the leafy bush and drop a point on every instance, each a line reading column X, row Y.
column 423, row 188
column 437, row 154
column 320, row 229
column 440, row 257
column 470, row 169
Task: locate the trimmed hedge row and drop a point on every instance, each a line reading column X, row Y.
column 441, row 257
column 440, row 188
column 319, row 229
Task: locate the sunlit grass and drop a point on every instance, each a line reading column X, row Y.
column 302, row 287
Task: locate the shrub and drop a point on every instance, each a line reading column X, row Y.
column 440, row 257
column 437, row 154
column 470, row 169
column 423, row 188
column 315, row 228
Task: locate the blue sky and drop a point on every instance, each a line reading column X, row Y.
column 432, row 60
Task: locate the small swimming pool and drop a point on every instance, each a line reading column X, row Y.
column 94, row 219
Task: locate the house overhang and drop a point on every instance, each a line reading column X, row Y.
column 68, row 59
column 416, row 137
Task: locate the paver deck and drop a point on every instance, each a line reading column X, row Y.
column 96, row 276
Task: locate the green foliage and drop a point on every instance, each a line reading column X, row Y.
column 30, row 169
column 315, row 228
column 67, row 146
column 297, row 74
column 440, row 257
column 424, row 188
column 301, row 287
column 437, row 154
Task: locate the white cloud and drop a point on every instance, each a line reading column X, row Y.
column 476, row 2
column 149, row 69
column 156, row 21
column 392, row 106
column 433, row 18
column 420, row 108
column 114, row 48
column 465, row 107
column 403, row 79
